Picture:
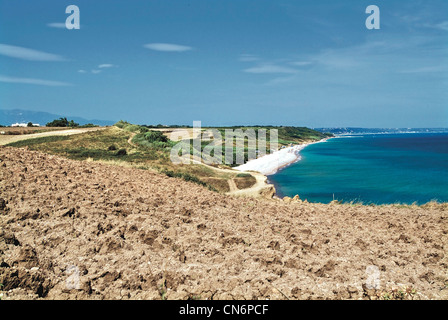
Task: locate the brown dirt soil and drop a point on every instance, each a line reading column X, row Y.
column 245, row 182
column 86, row 230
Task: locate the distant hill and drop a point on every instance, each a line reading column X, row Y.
column 8, row 117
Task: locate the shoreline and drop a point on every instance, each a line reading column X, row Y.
column 270, row 164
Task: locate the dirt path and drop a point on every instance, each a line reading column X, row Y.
column 130, row 139
column 232, row 186
column 6, row 139
column 257, row 190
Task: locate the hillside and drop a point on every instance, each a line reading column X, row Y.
column 150, row 149
column 87, row 230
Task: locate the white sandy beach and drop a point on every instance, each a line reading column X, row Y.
column 271, row 163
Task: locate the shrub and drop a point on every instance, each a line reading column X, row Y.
column 243, row 175
column 132, row 128
column 155, row 136
column 121, row 124
column 188, row 177
column 112, row 148
column 89, row 125
column 121, row 152
column 62, row 122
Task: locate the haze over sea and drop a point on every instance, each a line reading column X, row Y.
column 401, row 168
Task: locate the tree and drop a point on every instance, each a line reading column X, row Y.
column 62, row 122
column 73, row 124
column 30, row 124
column 155, row 136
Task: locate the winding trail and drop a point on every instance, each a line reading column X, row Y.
column 232, row 186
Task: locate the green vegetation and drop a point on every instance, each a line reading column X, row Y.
column 62, row 122
column 153, row 139
column 121, row 152
column 243, row 175
column 140, row 147
column 404, row 293
column 163, row 290
column 155, row 136
column 129, row 127
column 38, row 141
column 300, row 134
column 88, row 125
column 286, row 137
column 187, row 177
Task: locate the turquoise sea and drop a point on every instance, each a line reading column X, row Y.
column 373, row 168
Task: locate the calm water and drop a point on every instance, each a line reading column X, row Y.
column 380, row 169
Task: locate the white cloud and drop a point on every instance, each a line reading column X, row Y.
column 59, row 25
column 100, row 68
column 270, row 68
column 27, row 54
column 106, row 65
column 41, row 82
column 442, row 26
column 167, row 47
column 301, row 63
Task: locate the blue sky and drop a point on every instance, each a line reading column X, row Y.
column 229, row 62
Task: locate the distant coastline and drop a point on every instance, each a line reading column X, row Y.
column 379, row 169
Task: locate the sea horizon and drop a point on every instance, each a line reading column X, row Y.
column 378, row 168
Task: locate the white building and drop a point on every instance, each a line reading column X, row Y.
column 24, row 124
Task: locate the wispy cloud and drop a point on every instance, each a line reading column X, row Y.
column 281, row 80
column 167, row 47
column 270, row 68
column 28, row 54
column 301, row 63
column 441, row 26
column 98, row 69
column 106, row 65
column 40, row 82
column 431, row 69
column 248, row 58
column 278, row 66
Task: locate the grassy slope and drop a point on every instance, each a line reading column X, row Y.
column 105, row 145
